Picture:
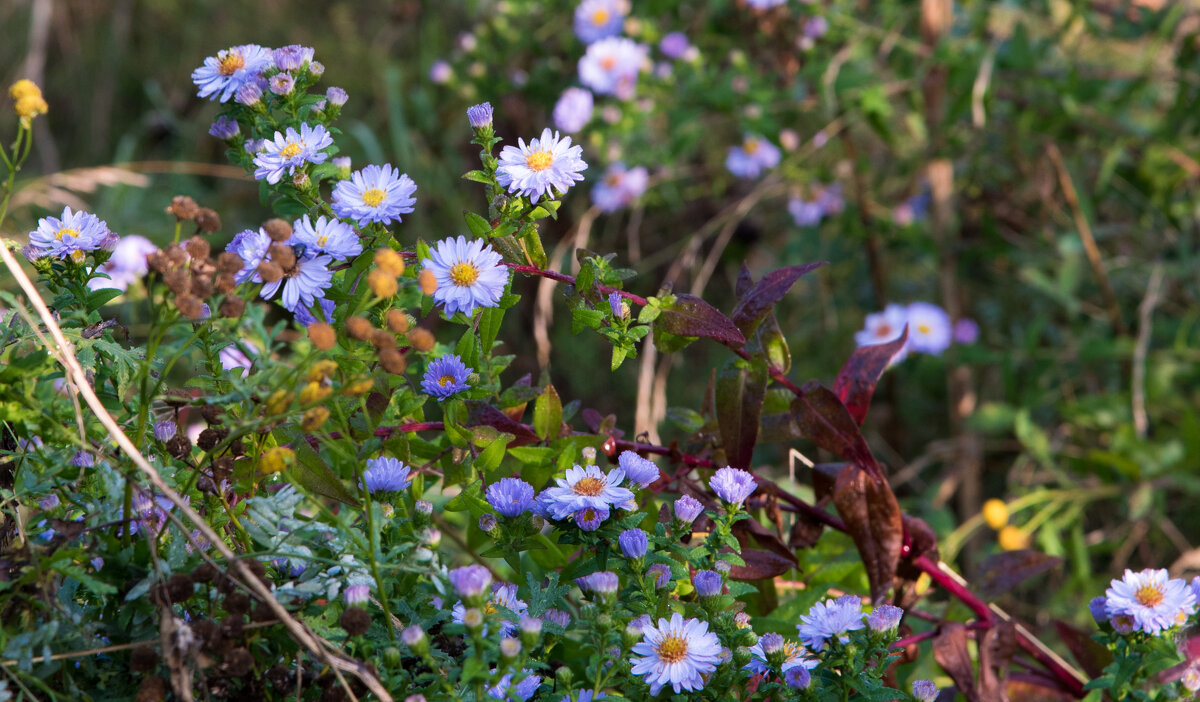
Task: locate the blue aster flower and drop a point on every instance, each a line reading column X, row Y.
column 70, row 235
column 590, row 518
column 303, row 284
column 221, row 75
column 523, row 690
column 468, row 274
column 249, row 94
column 282, row 84
column 292, row 57
column 929, row 328
column 446, row 376
column 470, row 581
column 599, row 19
column 829, row 620
column 480, row 115
column 374, row 194
column 677, row 652
column 585, row 487
column 510, row 497
column 754, row 155
column 620, row 187
column 611, row 66
column 290, row 151
column 305, row 316
column 674, row 45
column 251, row 246
column 326, row 236
column 533, row 169
column 573, row 110
column 639, row 470
column 733, row 485
column 224, row 128
column 708, row 583
column 633, row 543
column 687, row 508
column 385, row 474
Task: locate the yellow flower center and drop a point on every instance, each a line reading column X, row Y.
column 489, row 608
column 924, row 328
column 599, row 17
column 883, row 330
column 1149, row 595
column 539, row 160
column 608, row 62
column 464, row 275
column 447, row 380
column 589, row 486
column 65, row 232
column 78, row 255
column 290, row 151
column 372, row 197
column 672, row 649
column 750, row 146
column 613, row 180
column 231, row 63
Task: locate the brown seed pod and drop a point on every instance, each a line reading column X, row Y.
column 238, row 662
column 392, row 361
column 390, row 262
column 355, row 620
column 381, row 339
column 212, row 414
column 189, row 306
column 179, row 447
column 177, row 280
column 198, row 248
column 383, row 284
column 158, row 262
column 143, row 659
column 237, row 603
column 202, row 286
column 270, row 271
column 421, row 339
column 322, row 335
column 232, row 307
column 229, row 262
column 359, row 328
column 204, row 573
column 176, row 256
column 210, row 437
column 222, row 468
column 152, row 689
column 277, row 229
column 233, row 626
column 207, row 220
column 179, row 588
column 283, row 255
column 397, row 321
column 427, row 281
column 183, row 207
column 224, row 284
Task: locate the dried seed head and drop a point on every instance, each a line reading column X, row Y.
column 210, row 437
column 176, row 256
column 359, row 328
column 202, row 286
column 229, row 262
column 225, row 284
column 198, row 248
column 381, row 339
column 143, row 659
column 427, row 281
column 355, row 620
column 382, row 283
column 179, row 447
column 270, row 271
column 202, row 266
column 189, row 306
column 158, row 262
column 390, row 262
column 204, row 573
column 213, row 414
column 277, row 229
column 207, row 220
column 392, row 361
column 283, row 255
column 237, row 602
column 183, row 207
column 232, row 307
column 238, row 662
column 180, row 588
column 177, row 280
column 152, row 689
column 322, row 335
column 421, row 339
column 397, row 321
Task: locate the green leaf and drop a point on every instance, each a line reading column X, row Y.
column 547, row 414
column 313, row 474
column 479, row 226
column 470, row 500
column 618, row 357
column 477, row 176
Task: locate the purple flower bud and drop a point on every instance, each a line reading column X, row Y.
column 966, row 331
column 639, row 470
column 885, row 617
column 224, row 128
column 614, row 304
column 771, row 643
column 165, row 430
column 480, row 116
column 316, row 69
column 924, row 690
column 687, row 508
column 356, row 595
column 1099, row 609
column 530, row 626
column 424, row 507
column 661, row 574
column 816, row 27
column 487, row 523
column 440, row 72
column 509, row 647
column 292, row 57
column 633, row 542
column 412, row 636
column 733, row 485
column 604, row 582
column 674, row 45
column 336, row 96
column 282, row 84
column 559, row 617
column 49, row 502
column 249, row 94
column 797, row 677
column 83, row 459
column 589, row 519
column 470, row 581
column 723, row 567
column 707, row 583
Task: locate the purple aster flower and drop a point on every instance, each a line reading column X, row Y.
column 805, row 213
column 535, row 169
column 929, row 328
column 634, row 543
column 558, row 617
column 290, row 151
column 610, row 66
column 82, row 459
column 620, row 187
column 661, row 574
column 590, row 518
column 412, row 636
column 251, row 246
column 316, row 69
column 599, row 19
column 70, row 235
column 375, row 194
column 924, row 690
column 797, row 677
column 885, row 326
column 221, row 75
column 470, row 581
column 336, row 96
column 585, row 487
column 292, row 57
column 966, row 331
column 754, row 155
column 385, row 474
column 49, row 502
column 830, row 619
column 305, row 317
column 687, row 508
column 1099, row 609
column 707, row 583
column 640, row 471
column 620, row 312
column 674, row 45
column 126, row 265
column 573, row 110
column 523, row 690
column 446, row 376
column 1196, row 588
column 1154, row 601
column 232, row 357
column 480, row 116
column 510, row 497
column 303, row 284
column 764, row 4
column 440, row 72
column 249, row 94
column 603, row 582
column 794, row 656
column 677, row 652
column 503, row 595
column 884, row 618
column 469, row 274
column 327, row 236
column 282, row 84
column 816, row 27
column 487, row 522
column 356, row 595
column 733, row 485
column 224, row 128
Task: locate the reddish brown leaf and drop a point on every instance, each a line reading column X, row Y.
column 856, row 382
column 996, row 650
column 481, row 413
column 745, row 282
column 741, row 387
column 824, row 478
column 1033, row 691
column 764, row 537
column 753, row 306
column 921, row 540
column 688, row 315
column 950, row 651
column 805, row 531
column 760, row 564
column 1003, row 571
column 1091, row 656
column 826, row 421
column 872, row 518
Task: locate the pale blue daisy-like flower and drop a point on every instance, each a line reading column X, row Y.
column 303, row 284
column 221, row 75
column 797, row 677
column 480, row 116
column 733, row 485
column 929, row 328
column 69, row 235
column 676, row 652
column 830, row 619
column 805, row 213
column 469, row 274
column 661, row 574
column 440, row 72
column 165, row 430
column 533, row 169
column 924, row 690
column 291, row 150
column 470, row 581
column 446, row 376
column 634, row 543
column 386, row 474
column 620, row 187
column 884, row 617
column 126, row 265
column 687, row 508
column 885, row 326
column 503, row 595
column 224, row 128
column 356, row 595
column 590, row 518
column 611, row 66
column 573, row 110
column 708, row 583
column 674, row 45
column 752, row 156
column 585, row 487
column 282, row 84
column 336, row 96
column 765, row 4
column 510, row 497
column 1099, row 608
column 794, row 656
column 292, row 57
column 599, row 19
column 523, row 690
column 304, row 315
column 375, row 194
column 326, row 236
column 1153, row 600
column 640, row 471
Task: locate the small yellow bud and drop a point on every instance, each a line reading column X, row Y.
column 314, row 419
column 322, row 370
column 362, row 386
column 1012, row 538
column 427, row 281
column 995, row 513
column 278, row 458
column 397, row 321
column 390, row 262
column 29, row 107
column 279, row 401
column 383, row 284
column 314, row 392
column 24, row 88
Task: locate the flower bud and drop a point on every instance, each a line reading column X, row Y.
column 741, row 656
column 431, row 538
column 473, row 618
column 278, row 229
column 531, row 630
column 382, row 283
column 564, row 677
column 427, row 282
column 392, row 657
column 389, row 261
column 510, row 648
column 392, row 361
column 300, row 180
column 278, row 458
column 487, row 523
column 414, row 637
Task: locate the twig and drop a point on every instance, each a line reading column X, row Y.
column 1141, row 423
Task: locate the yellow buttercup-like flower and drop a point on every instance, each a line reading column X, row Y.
column 27, row 100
